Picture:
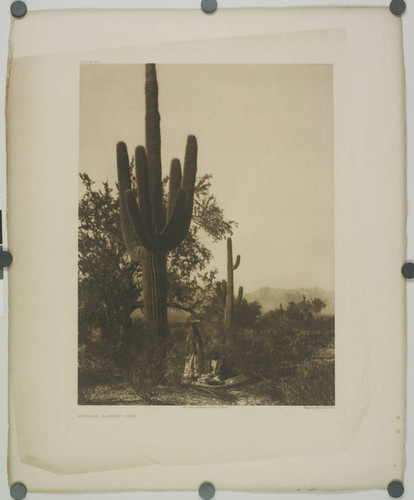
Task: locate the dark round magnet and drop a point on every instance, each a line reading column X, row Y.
column 206, row 491
column 18, row 491
column 395, row 489
column 397, row 7
column 18, row 9
column 209, row 6
column 407, row 270
column 5, row 258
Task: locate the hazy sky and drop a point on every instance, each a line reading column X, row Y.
column 265, row 132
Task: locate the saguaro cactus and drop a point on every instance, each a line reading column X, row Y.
column 151, row 228
column 228, row 288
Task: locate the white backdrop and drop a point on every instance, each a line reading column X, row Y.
column 408, row 23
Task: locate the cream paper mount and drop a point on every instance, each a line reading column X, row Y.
column 56, row 444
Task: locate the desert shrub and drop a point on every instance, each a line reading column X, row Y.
column 96, row 363
column 286, row 359
column 313, row 383
column 133, row 359
column 268, row 355
column 156, row 365
column 90, row 393
column 175, row 355
column 145, row 361
column 246, row 313
column 96, row 368
column 145, row 372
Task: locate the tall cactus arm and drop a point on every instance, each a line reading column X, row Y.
column 176, row 221
column 190, row 164
column 175, row 183
column 137, row 224
column 229, row 254
column 236, row 265
column 124, row 182
column 239, row 297
column 187, row 184
column 189, row 176
column 144, row 199
column 122, row 160
column 153, row 144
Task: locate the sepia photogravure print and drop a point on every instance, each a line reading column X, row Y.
column 206, row 235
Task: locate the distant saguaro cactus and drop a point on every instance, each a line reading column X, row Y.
column 151, row 228
column 227, row 288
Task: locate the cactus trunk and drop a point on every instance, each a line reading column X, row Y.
column 154, row 277
column 230, row 302
column 228, row 312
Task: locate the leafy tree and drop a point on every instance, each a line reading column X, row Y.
column 191, row 281
column 293, row 311
column 108, row 288
column 317, row 306
column 109, row 281
column 213, row 310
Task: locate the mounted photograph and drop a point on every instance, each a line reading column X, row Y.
column 206, row 242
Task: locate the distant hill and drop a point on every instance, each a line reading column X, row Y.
column 270, row 298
